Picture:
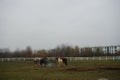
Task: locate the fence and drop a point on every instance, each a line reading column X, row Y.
column 16, row 59
column 95, row 58
column 69, row 58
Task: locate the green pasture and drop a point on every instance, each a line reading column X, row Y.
column 76, row 70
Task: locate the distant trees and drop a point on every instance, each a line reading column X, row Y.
column 18, row 53
column 64, row 50
column 41, row 53
column 61, row 50
column 28, row 52
column 5, row 52
column 86, row 51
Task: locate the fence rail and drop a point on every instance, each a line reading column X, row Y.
column 69, row 58
column 16, row 59
column 95, row 58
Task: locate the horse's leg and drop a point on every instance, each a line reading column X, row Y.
column 59, row 64
column 65, row 62
column 41, row 62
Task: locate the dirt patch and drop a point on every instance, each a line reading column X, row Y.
column 79, row 69
column 91, row 69
column 72, row 69
column 103, row 79
column 111, row 68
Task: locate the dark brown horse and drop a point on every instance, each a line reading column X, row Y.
column 43, row 61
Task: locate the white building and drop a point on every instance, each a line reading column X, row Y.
column 111, row 49
column 104, row 49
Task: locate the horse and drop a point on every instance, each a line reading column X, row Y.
column 36, row 60
column 61, row 61
column 43, row 61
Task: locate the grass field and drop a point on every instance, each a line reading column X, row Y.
column 76, row 70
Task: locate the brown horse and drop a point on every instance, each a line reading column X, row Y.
column 61, row 61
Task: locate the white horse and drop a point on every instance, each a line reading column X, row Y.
column 36, row 60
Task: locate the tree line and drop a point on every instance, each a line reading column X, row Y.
column 62, row 50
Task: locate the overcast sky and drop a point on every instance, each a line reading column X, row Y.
column 45, row 24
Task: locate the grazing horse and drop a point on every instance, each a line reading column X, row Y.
column 43, row 61
column 61, row 61
column 36, row 60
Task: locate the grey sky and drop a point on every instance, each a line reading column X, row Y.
column 44, row 24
